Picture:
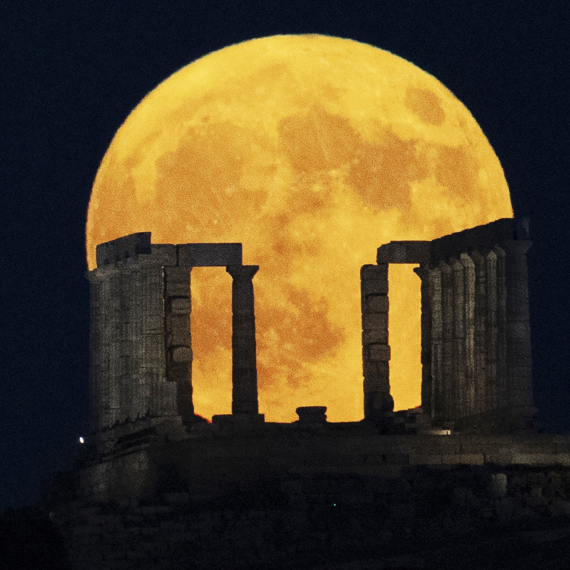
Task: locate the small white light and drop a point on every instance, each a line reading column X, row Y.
column 81, row 440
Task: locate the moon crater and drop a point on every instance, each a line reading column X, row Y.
column 426, row 105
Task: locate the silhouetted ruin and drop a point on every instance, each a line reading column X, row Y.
column 159, row 487
column 476, row 354
column 141, row 349
column 476, row 351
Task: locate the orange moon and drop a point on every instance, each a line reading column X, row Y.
column 312, row 151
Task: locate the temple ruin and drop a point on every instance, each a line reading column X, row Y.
column 475, row 331
column 159, row 487
column 141, row 350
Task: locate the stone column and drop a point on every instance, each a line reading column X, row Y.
column 469, row 323
column 114, row 322
column 502, row 380
column 177, row 305
column 491, row 332
column 436, row 410
column 139, row 404
column 427, row 387
column 447, row 367
column 479, row 346
column 244, row 364
column 519, row 360
column 375, row 348
column 127, row 393
column 459, row 364
column 161, row 394
column 98, row 353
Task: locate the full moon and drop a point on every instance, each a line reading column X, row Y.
column 312, row 151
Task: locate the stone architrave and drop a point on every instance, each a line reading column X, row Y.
column 244, row 365
column 436, row 401
column 469, row 324
column 447, row 368
column 375, row 347
column 479, row 345
column 209, row 254
column 519, row 360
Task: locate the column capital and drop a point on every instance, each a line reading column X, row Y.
column 422, row 271
column 455, row 264
column 466, row 260
column 242, row 271
column 499, row 251
column 477, row 257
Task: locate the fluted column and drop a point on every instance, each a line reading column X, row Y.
column 99, row 378
column 479, row 332
column 447, row 369
column 459, row 364
column 140, row 398
column 491, row 332
column 162, row 394
column 434, row 276
column 502, row 371
column 244, row 364
column 375, row 348
column 114, row 322
column 127, row 392
column 469, row 324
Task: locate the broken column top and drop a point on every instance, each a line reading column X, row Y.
column 123, row 248
column 188, row 254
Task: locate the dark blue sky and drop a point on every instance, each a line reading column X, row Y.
column 72, row 71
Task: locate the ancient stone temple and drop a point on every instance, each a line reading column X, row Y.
column 141, row 349
column 476, row 351
column 159, row 487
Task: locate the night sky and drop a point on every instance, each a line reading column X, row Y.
column 70, row 74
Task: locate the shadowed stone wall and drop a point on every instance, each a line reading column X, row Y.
column 426, row 518
column 294, row 496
